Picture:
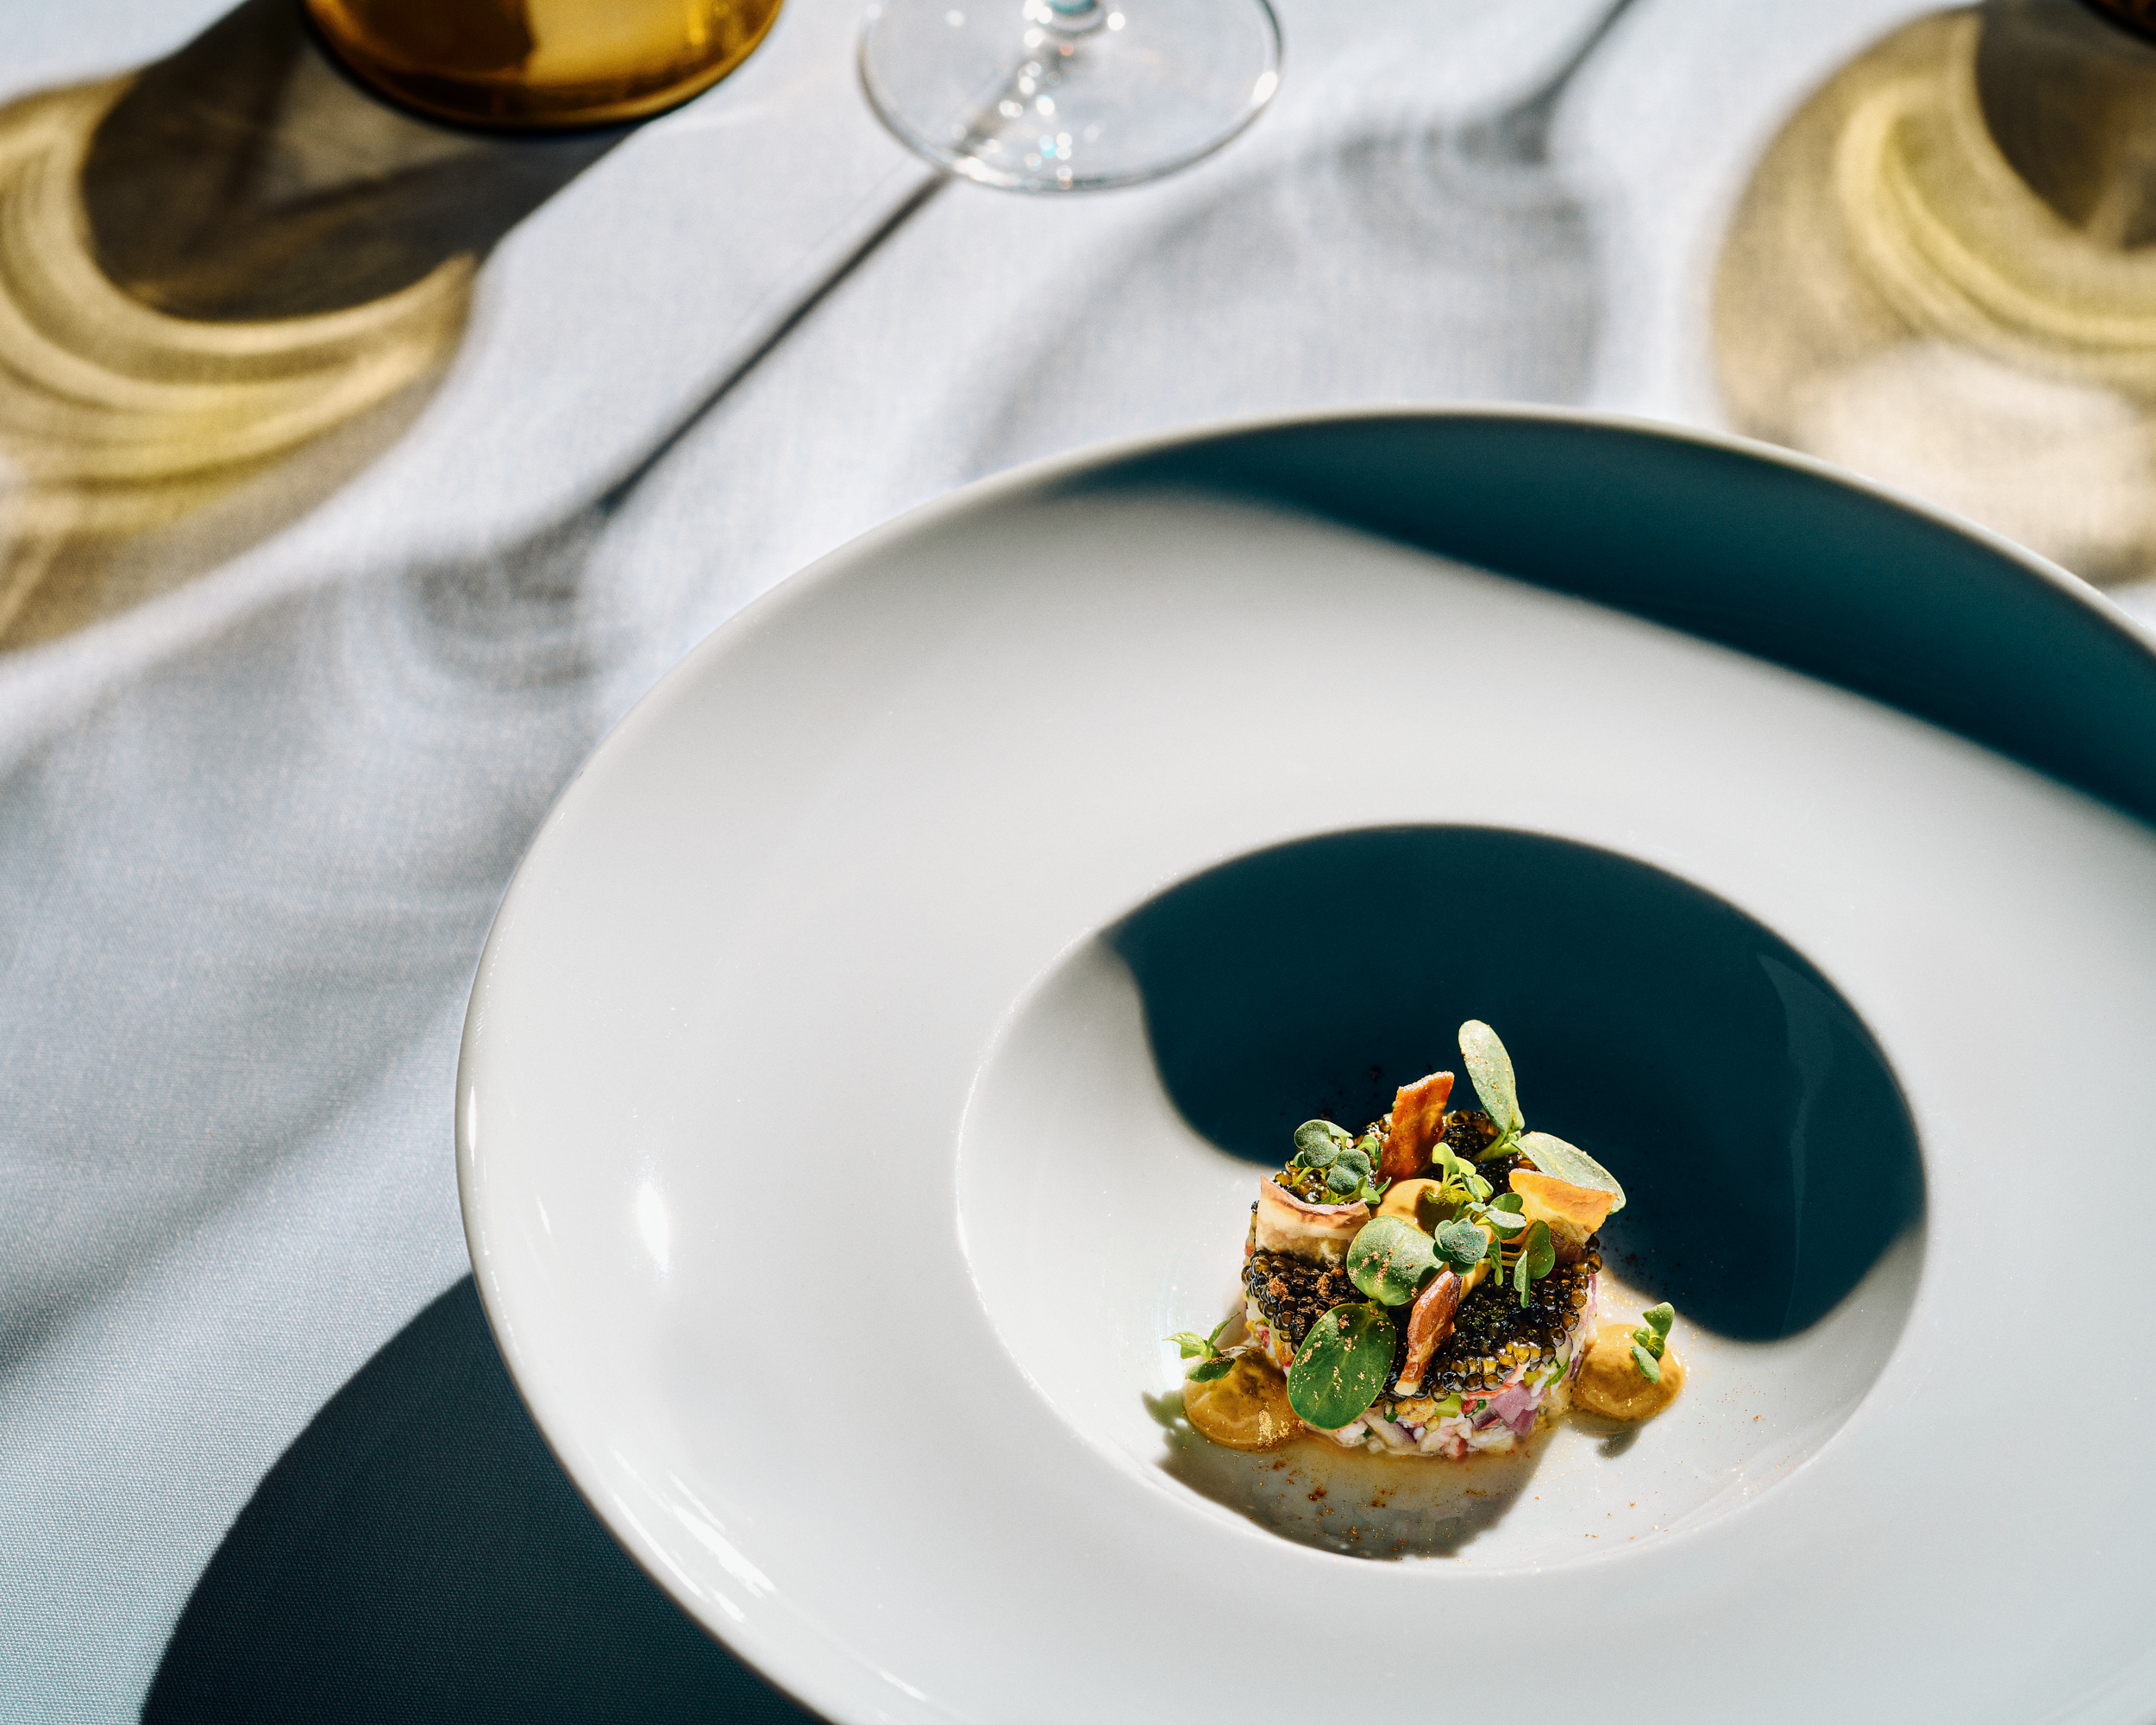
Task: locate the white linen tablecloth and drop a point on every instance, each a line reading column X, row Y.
column 253, row 831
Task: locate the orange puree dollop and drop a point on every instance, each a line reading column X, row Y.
column 1610, row 1384
column 1246, row 1410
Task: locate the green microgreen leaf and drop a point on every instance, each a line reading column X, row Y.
column 1653, row 1334
column 1336, row 1169
column 1502, row 1145
column 1390, row 1260
column 1511, row 1202
column 1650, row 1367
column 1478, row 1188
column 1568, row 1162
column 1538, row 1257
column 1506, row 1223
column 1214, row 1361
column 1490, row 1069
column 1456, row 1184
column 1341, row 1365
column 1461, row 1245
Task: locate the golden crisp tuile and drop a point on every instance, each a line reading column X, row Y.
column 1417, row 1122
column 1571, row 1213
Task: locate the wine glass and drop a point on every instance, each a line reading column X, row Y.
column 1068, row 95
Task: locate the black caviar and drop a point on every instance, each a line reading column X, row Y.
column 1294, row 1293
column 1492, row 1333
column 1467, row 1133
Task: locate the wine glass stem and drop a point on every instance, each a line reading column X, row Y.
column 1027, row 96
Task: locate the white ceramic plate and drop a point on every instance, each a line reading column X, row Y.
column 826, row 1141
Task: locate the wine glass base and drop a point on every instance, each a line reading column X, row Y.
column 1068, row 95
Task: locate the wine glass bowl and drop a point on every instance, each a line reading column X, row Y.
column 1068, row 95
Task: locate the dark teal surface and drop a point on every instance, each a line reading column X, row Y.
column 418, row 1556
column 1763, row 1143
column 1735, row 546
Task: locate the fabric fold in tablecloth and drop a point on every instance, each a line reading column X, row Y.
column 252, row 831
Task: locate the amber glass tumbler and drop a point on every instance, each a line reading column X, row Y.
column 539, row 64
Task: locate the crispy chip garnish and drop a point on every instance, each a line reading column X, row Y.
column 1417, row 1123
column 1572, row 1211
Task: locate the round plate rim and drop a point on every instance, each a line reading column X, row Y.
column 1041, row 476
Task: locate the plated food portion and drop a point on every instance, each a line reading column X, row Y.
column 1428, row 1287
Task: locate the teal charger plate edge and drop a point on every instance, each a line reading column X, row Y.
column 1737, row 542
column 1741, row 543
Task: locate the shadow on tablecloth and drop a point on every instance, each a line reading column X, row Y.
column 418, row 1555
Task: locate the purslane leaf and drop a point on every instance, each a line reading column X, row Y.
column 1489, row 1067
column 1390, row 1260
column 1209, row 1369
column 1569, row 1163
column 1650, row 1367
column 1341, row 1365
